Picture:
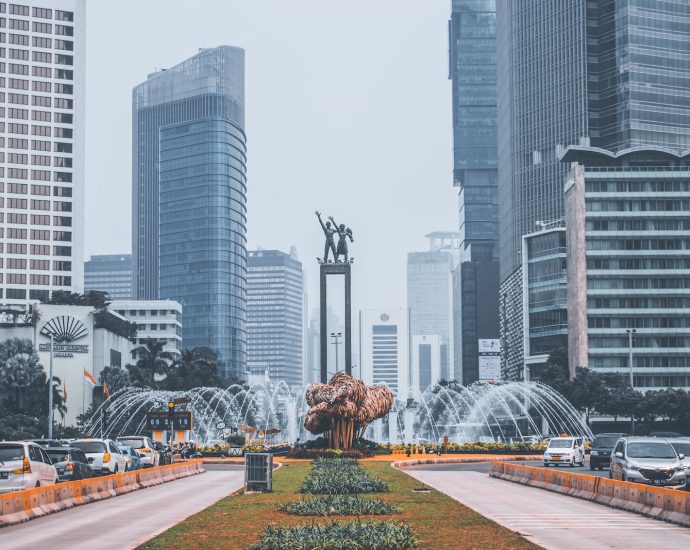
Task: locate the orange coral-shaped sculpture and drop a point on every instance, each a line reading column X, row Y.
column 343, row 408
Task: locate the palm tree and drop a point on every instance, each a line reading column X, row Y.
column 19, row 372
column 151, row 361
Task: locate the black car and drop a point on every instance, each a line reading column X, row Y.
column 71, row 464
column 165, row 453
column 602, row 447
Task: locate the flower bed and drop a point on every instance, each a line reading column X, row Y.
column 468, row 448
column 343, row 505
column 389, row 535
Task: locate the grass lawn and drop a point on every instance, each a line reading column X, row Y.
column 438, row 521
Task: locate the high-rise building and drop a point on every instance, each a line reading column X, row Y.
column 275, row 292
column 384, row 349
column 628, row 269
column 159, row 320
column 472, row 32
column 573, row 72
column 189, row 198
column 42, row 166
column 111, row 273
column 430, row 296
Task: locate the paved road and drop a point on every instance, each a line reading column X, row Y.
column 125, row 521
column 485, row 467
column 552, row 520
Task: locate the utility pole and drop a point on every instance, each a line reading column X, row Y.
column 630, row 332
column 50, row 390
column 336, row 341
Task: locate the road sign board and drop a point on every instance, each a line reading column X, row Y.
column 182, row 400
column 161, row 420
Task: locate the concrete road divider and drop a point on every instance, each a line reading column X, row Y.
column 657, row 502
column 465, row 459
column 32, row 503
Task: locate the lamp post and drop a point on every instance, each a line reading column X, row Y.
column 336, row 341
column 630, row 332
column 50, row 390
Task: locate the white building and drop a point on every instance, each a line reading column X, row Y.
column 384, row 349
column 157, row 319
column 42, row 161
column 84, row 339
column 426, row 360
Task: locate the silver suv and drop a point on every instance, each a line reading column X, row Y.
column 648, row 460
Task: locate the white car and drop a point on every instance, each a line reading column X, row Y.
column 24, row 465
column 103, row 455
column 151, row 457
column 565, row 450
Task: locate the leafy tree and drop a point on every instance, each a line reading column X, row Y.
column 555, row 372
column 116, row 378
column 20, row 426
column 93, row 298
column 151, row 361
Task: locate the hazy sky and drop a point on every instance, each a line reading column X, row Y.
column 347, row 111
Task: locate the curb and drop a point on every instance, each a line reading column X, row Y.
column 461, row 460
column 654, row 502
column 22, row 506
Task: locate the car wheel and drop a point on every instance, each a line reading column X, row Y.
column 116, row 469
column 572, row 463
column 38, row 484
column 56, row 481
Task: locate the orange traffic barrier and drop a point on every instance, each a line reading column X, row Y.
column 31, row 503
column 656, row 502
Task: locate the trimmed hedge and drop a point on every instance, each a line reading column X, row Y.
column 357, row 535
column 339, row 505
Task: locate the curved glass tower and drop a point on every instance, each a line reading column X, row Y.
column 189, row 202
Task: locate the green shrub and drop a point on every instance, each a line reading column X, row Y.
column 356, row 535
column 340, row 505
column 341, row 476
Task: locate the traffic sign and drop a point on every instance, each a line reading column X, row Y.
column 161, row 420
column 182, row 400
column 157, row 404
column 220, row 425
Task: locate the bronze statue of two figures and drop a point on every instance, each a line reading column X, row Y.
column 344, row 233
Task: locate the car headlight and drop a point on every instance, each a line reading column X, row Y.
column 633, row 468
column 679, row 469
column 594, row 453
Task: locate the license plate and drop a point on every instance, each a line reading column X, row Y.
column 555, row 458
column 4, row 475
column 658, row 482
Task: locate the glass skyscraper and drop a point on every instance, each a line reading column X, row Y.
column 606, row 74
column 472, row 49
column 189, row 198
column 111, row 273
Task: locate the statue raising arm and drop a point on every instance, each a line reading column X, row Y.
column 318, row 215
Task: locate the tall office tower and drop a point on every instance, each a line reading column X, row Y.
column 603, row 74
column 384, row 349
column 111, row 273
column 472, row 33
column 430, row 302
column 275, row 292
column 189, row 198
column 42, row 134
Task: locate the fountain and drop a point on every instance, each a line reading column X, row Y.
column 514, row 411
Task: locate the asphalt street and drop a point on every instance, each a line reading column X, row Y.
column 125, row 521
column 548, row 519
column 485, row 467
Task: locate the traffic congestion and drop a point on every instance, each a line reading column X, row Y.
column 42, row 462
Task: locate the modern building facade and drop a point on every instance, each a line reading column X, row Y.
column 159, row 320
column 628, row 225
column 42, row 163
column 275, row 293
column 111, row 273
column 472, row 32
column 425, row 361
column 430, row 295
column 384, row 349
column 602, row 74
column 189, row 198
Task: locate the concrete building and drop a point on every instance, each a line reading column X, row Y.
column 275, row 293
column 84, row 339
column 628, row 269
column 189, row 210
column 425, row 361
column 111, row 273
column 160, row 320
column 577, row 73
column 384, row 349
column 430, row 295
column 472, row 33
column 42, row 166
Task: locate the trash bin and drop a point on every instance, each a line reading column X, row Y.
column 258, row 472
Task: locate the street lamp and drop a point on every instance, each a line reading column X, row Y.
column 630, row 332
column 50, row 389
column 336, row 341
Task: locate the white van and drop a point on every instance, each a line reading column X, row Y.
column 565, row 450
column 104, row 456
column 24, row 465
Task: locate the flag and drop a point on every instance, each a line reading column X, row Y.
column 106, row 393
column 90, row 377
column 64, row 391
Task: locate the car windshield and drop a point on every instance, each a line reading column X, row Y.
column 682, row 448
column 134, row 443
column 91, row 446
column 604, row 441
column 650, row 450
column 11, row 452
column 560, row 444
column 58, row 456
column 126, row 450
